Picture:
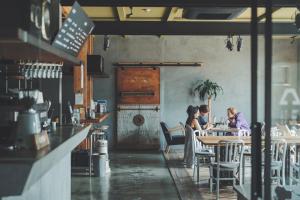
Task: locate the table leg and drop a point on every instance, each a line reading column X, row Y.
column 297, row 153
column 198, row 163
column 286, row 173
column 243, row 174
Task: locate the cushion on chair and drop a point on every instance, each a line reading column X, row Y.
column 204, row 152
column 274, row 164
column 231, row 165
column 177, row 139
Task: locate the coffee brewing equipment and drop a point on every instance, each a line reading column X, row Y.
column 22, row 113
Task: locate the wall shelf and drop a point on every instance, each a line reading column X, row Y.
column 159, row 64
column 137, row 93
column 17, row 44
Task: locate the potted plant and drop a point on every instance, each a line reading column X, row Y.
column 207, row 89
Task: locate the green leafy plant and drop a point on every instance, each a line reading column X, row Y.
column 207, row 89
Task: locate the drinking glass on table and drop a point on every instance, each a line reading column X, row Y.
column 222, row 120
column 214, row 120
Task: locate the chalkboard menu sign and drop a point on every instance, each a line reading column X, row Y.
column 74, row 31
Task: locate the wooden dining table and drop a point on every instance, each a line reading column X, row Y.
column 214, row 140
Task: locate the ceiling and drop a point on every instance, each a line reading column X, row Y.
column 172, row 14
column 161, row 20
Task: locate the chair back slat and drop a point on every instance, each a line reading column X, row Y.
column 226, row 153
column 230, row 152
column 233, row 151
column 278, row 149
column 236, row 149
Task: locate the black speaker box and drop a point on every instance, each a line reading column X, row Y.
column 95, row 64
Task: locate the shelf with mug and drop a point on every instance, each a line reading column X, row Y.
column 17, row 44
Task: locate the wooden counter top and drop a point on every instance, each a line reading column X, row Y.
column 97, row 120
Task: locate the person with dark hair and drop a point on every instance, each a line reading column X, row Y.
column 191, row 123
column 189, row 109
column 204, row 110
column 192, row 120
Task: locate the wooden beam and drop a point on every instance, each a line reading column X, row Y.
column 186, row 28
column 121, row 13
column 180, row 3
column 263, row 16
column 170, row 13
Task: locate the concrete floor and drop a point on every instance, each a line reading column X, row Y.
column 134, row 176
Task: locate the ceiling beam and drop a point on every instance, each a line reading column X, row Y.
column 121, row 13
column 186, row 28
column 180, row 3
column 170, row 14
column 263, row 16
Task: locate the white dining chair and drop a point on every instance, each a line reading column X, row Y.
column 189, row 147
column 295, row 171
column 284, row 130
column 230, row 161
column 278, row 155
column 244, row 132
column 202, row 152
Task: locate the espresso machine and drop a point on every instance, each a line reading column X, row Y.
column 22, row 113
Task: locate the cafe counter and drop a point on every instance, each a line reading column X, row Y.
column 43, row 174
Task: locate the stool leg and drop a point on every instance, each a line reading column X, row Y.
column 105, row 135
column 90, row 156
column 198, row 166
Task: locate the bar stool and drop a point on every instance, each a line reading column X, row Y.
column 104, row 129
column 96, row 134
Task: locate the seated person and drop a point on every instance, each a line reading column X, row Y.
column 204, row 110
column 192, row 120
column 236, row 120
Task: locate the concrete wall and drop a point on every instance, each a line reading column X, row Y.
column 229, row 69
